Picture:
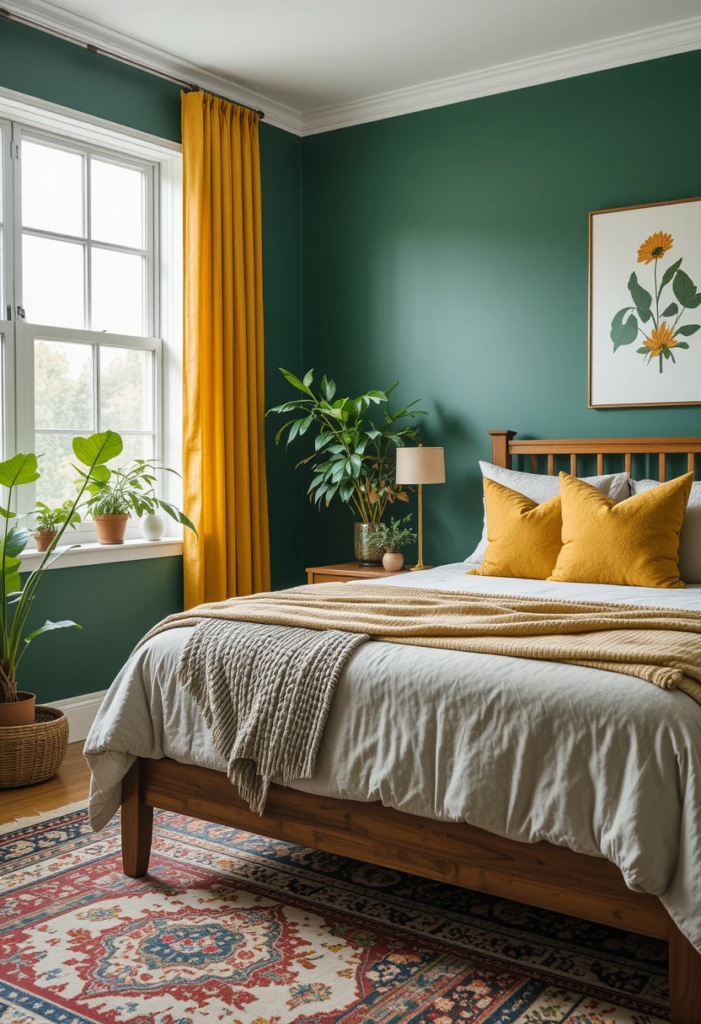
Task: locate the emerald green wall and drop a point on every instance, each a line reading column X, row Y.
column 448, row 249
column 118, row 603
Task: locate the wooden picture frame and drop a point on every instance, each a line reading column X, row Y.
column 638, row 355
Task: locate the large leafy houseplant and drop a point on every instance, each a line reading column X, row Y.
column 353, row 458
column 16, row 598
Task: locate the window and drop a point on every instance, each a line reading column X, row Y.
column 79, row 320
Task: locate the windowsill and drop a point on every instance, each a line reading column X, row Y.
column 97, row 554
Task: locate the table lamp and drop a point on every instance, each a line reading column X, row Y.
column 416, row 467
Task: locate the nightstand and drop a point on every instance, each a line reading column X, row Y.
column 344, row 572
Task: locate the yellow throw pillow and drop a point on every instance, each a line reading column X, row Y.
column 524, row 537
column 634, row 543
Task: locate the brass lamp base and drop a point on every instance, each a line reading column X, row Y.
column 418, row 568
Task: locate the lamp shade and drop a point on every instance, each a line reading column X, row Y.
column 420, row 465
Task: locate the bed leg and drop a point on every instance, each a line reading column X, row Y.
column 137, row 823
column 684, row 979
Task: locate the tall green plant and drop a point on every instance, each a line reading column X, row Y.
column 16, row 600
column 353, row 456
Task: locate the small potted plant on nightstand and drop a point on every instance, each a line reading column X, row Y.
column 392, row 538
column 48, row 520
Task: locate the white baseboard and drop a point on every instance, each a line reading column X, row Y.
column 80, row 712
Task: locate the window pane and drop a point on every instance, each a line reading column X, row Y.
column 136, row 446
column 126, row 389
column 117, row 204
column 117, row 292
column 52, row 189
column 57, row 480
column 63, row 385
column 52, row 282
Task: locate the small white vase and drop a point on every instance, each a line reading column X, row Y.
column 152, row 526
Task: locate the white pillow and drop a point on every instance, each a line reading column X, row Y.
column 540, row 488
column 690, row 540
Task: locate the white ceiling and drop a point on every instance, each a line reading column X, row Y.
column 312, row 54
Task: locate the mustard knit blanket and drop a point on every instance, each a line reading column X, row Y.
column 662, row 646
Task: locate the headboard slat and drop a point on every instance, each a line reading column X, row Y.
column 504, row 448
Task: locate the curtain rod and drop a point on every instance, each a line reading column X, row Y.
column 188, row 86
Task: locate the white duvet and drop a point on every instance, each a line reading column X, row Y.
column 526, row 749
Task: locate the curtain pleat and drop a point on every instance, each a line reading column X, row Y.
column 224, row 478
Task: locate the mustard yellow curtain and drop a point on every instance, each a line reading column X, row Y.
column 223, row 437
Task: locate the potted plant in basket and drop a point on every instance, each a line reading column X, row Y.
column 47, row 521
column 115, row 494
column 353, row 456
column 33, row 740
column 392, row 539
column 32, row 746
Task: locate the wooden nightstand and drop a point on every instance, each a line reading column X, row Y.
column 344, row 572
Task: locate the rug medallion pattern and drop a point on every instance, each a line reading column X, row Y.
column 229, row 927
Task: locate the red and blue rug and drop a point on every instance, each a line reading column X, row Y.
column 234, row 928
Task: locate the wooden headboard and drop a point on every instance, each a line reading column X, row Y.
column 504, row 448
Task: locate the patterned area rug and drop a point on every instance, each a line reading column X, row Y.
column 231, row 927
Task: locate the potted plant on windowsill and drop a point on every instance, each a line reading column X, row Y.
column 32, row 740
column 115, row 494
column 48, row 520
column 353, row 457
column 392, row 539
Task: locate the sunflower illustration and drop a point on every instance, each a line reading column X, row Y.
column 661, row 338
column 654, row 247
column 654, row 318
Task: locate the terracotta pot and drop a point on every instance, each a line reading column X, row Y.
column 367, row 550
column 43, row 538
column 20, row 711
column 111, row 529
column 392, row 561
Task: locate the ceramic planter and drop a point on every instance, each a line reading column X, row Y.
column 111, row 529
column 43, row 538
column 20, row 711
column 367, row 550
column 392, row 561
column 152, row 526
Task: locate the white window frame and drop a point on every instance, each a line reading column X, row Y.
column 162, row 162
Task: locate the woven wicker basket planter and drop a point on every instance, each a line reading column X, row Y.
column 33, row 753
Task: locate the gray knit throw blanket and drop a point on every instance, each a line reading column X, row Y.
column 265, row 692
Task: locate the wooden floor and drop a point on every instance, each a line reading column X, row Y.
column 72, row 783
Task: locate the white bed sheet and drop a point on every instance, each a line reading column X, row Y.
column 605, row 764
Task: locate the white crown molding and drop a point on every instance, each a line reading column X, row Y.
column 617, row 51
column 54, row 19
column 661, row 41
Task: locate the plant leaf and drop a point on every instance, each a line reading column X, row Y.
column 669, row 273
column 98, row 448
column 623, row 333
column 48, row 626
column 308, row 378
column 687, row 330
column 671, row 310
column 684, row 288
column 696, row 301
column 20, row 469
column 682, row 344
column 177, row 515
column 641, row 298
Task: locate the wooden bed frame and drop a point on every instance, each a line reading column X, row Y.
column 539, row 874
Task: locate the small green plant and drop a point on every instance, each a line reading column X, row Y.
column 353, row 456
column 48, row 519
column 119, row 492
column 395, row 536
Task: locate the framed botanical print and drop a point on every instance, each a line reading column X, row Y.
column 644, row 306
